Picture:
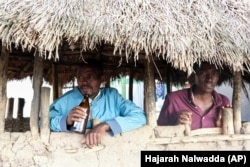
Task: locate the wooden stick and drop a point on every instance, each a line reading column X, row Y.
column 227, row 121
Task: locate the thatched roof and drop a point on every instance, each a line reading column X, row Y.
column 21, row 66
column 175, row 32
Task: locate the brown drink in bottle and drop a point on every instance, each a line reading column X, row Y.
column 82, row 125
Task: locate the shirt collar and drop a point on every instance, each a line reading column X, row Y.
column 90, row 100
column 191, row 95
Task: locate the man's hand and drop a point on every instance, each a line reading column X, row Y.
column 76, row 115
column 185, row 117
column 93, row 137
column 218, row 122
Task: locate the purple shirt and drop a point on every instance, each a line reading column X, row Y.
column 182, row 100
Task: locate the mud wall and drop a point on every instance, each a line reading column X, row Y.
column 65, row 149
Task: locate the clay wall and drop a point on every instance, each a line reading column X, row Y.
column 65, row 149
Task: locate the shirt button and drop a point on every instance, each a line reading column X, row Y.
column 203, row 117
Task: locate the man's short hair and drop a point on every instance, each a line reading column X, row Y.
column 92, row 63
column 197, row 66
column 224, row 72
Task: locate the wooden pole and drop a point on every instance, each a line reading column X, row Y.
column 35, row 105
column 20, row 120
column 149, row 94
column 227, row 121
column 4, row 59
column 21, row 103
column 55, row 82
column 237, row 101
column 169, row 82
column 60, row 89
column 44, row 110
column 10, row 108
column 131, row 77
column 187, row 131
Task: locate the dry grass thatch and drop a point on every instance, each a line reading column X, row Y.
column 180, row 32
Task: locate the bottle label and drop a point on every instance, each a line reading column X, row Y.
column 79, row 126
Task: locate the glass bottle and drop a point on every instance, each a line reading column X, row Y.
column 82, row 125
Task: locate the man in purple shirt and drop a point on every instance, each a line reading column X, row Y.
column 199, row 105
